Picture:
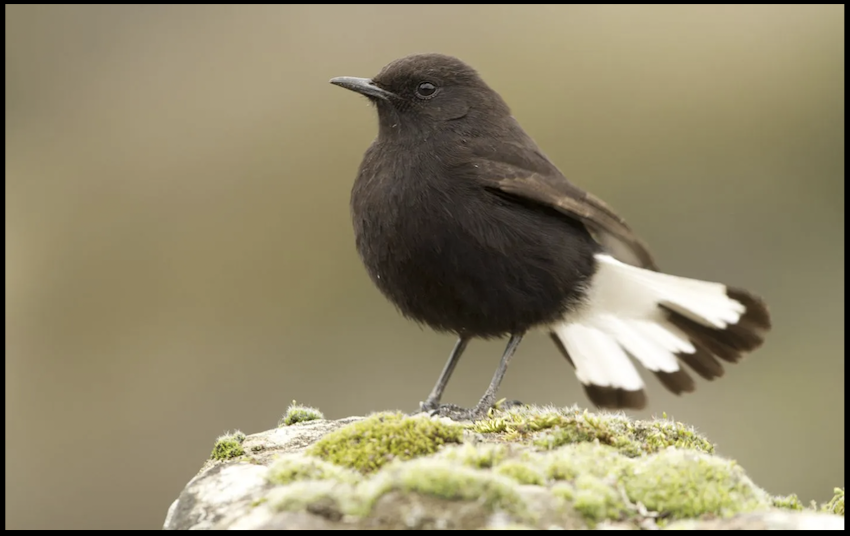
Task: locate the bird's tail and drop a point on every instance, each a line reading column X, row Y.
column 661, row 321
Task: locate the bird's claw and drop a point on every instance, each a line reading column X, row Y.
column 457, row 413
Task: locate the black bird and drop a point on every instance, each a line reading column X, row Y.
column 467, row 227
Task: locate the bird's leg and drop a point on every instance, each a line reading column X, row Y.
column 433, row 400
column 489, row 398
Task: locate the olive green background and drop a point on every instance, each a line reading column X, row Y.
column 180, row 259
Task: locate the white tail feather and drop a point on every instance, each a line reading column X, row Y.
column 622, row 314
column 634, row 292
column 598, row 359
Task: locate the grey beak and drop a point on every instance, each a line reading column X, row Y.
column 363, row 86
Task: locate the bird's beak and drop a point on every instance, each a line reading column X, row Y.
column 363, row 86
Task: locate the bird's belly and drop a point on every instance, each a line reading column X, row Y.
column 487, row 279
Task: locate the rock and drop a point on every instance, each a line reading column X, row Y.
column 776, row 520
column 523, row 468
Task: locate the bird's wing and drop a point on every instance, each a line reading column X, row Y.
column 516, row 170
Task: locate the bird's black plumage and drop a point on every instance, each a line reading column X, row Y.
column 467, row 227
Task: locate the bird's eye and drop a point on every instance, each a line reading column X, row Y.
column 425, row 90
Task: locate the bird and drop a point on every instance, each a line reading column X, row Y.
column 467, row 227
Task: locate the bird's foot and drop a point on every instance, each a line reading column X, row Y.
column 429, row 406
column 457, row 413
column 479, row 412
column 503, row 405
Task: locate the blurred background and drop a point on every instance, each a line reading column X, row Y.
column 180, row 259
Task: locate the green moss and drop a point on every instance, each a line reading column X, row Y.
column 588, row 476
column 597, row 500
column 480, row 456
column 446, row 480
column 658, row 435
column 559, row 463
column 572, row 461
column 296, row 413
column 836, row 504
column 580, row 433
column 228, row 446
column 791, row 502
column 293, row 467
column 563, row 490
column 371, row 443
column 686, row 484
column 522, row 472
column 632, row 438
column 571, row 425
column 520, row 420
column 514, row 462
column 676, row 483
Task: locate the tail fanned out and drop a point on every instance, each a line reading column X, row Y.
column 660, row 320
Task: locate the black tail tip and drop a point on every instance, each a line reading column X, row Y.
column 756, row 314
column 676, row 382
column 730, row 343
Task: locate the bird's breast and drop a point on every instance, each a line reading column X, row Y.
column 404, row 201
column 454, row 256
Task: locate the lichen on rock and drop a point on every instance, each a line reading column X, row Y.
column 522, row 468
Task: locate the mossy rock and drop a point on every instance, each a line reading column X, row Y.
column 524, row 468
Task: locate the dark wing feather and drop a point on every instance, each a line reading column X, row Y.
column 521, row 170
